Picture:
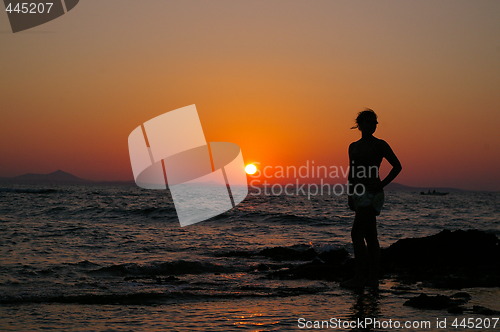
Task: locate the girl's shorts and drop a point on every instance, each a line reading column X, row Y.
column 368, row 199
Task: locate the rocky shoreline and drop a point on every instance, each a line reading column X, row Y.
column 450, row 260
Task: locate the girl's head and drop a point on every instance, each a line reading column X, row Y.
column 366, row 121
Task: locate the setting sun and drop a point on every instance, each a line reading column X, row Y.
column 250, row 169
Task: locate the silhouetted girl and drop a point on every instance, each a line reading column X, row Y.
column 365, row 157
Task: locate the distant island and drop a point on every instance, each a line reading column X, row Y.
column 54, row 178
column 61, row 177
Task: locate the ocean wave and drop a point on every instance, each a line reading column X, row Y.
column 145, row 210
column 164, row 297
column 133, row 298
column 29, row 190
column 298, row 252
column 110, row 211
column 284, row 218
column 179, row 267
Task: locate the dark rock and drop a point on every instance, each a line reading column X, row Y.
column 403, row 288
column 236, row 253
column 437, row 302
column 477, row 309
column 316, row 270
column 289, row 253
column 448, row 259
column 464, row 296
column 457, row 310
column 298, row 252
column 334, row 256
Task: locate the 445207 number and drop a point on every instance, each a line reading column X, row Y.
column 29, row 7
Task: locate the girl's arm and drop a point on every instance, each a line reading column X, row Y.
column 396, row 165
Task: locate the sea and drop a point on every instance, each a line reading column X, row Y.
column 114, row 258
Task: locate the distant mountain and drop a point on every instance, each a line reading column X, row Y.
column 57, row 177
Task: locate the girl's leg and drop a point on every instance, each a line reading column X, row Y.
column 360, row 253
column 373, row 249
column 360, row 249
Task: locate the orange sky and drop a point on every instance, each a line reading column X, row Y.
column 283, row 79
